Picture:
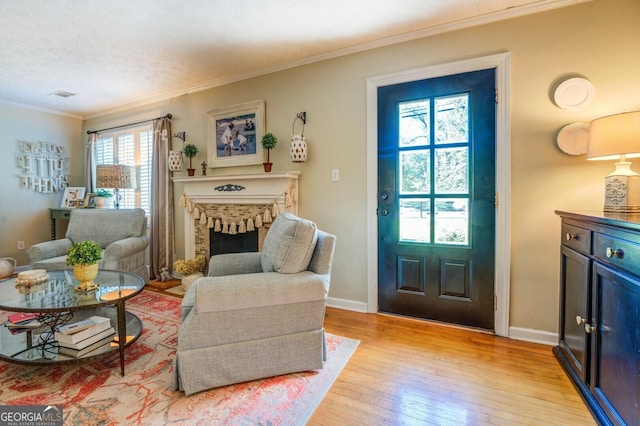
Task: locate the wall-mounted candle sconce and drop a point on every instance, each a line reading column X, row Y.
column 175, row 156
column 298, row 147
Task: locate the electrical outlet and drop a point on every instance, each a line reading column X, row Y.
column 20, row 245
column 335, row 175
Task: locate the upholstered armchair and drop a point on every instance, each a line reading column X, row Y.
column 257, row 314
column 121, row 233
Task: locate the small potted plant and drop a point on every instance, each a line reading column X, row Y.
column 84, row 257
column 269, row 141
column 101, row 198
column 190, row 151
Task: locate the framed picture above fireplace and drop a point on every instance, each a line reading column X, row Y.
column 234, row 135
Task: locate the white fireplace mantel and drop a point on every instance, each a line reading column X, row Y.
column 255, row 188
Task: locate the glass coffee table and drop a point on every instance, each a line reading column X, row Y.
column 55, row 302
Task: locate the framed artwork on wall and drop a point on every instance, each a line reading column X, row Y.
column 73, row 197
column 234, row 135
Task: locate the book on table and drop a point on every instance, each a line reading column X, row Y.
column 81, row 330
column 109, row 332
column 33, row 325
column 93, row 347
column 21, row 317
column 21, row 322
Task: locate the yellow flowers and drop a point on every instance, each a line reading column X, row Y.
column 188, row 267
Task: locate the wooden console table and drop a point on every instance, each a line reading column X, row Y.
column 55, row 214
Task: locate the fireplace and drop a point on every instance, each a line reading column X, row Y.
column 228, row 206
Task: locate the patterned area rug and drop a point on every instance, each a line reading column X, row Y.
column 94, row 393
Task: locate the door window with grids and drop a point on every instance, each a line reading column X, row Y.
column 434, row 170
column 130, row 147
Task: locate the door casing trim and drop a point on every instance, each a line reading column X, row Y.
column 501, row 63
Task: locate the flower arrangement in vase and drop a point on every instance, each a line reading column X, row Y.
column 101, row 197
column 84, row 257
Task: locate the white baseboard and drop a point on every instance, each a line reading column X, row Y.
column 346, row 304
column 515, row 333
column 534, row 336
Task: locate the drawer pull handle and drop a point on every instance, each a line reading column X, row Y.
column 571, row 236
column 590, row 328
column 617, row 253
column 580, row 320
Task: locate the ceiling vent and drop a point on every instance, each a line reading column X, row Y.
column 63, row 94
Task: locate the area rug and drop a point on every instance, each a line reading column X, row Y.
column 94, row 393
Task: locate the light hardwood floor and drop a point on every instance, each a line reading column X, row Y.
column 411, row 372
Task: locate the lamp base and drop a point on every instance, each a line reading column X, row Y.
column 622, row 194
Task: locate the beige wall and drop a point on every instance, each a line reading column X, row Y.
column 24, row 214
column 597, row 40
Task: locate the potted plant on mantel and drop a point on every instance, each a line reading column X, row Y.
column 84, row 257
column 101, row 198
column 269, row 141
column 190, row 151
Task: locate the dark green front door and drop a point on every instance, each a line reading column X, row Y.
column 436, row 198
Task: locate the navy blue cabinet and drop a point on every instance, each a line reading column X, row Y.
column 599, row 327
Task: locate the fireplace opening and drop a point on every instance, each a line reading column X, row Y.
column 220, row 243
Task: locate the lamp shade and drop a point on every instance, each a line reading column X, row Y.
column 613, row 136
column 115, row 176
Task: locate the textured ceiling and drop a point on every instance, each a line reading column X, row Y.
column 117, row 53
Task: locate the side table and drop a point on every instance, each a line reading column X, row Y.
column 55, row 214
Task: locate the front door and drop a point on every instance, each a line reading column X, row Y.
column 436, row 198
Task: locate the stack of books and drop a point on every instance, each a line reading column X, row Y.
column 21, row 322
column 83, row 337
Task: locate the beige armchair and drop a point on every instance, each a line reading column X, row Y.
column 260, row 314
column 121, row 233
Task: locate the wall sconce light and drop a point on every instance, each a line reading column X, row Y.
column 298, row 147
column 617, row 137
column 175, row 157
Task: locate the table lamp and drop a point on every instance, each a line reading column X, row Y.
column 617, row 137
column 117, row 177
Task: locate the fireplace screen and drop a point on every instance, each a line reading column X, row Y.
column 220, row 243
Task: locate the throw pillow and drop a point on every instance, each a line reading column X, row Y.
column 289, row 244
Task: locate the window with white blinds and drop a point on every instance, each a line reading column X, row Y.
column 130, row 147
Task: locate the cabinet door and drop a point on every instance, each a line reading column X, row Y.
column 615, row 380
column 574, row 309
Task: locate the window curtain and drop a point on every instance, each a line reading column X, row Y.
column 90, row 163
column 161, row 232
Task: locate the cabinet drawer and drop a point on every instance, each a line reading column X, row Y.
column 60, row 213
column 576, row 238
column 617, row 252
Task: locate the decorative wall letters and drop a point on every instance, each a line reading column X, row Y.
column 43, row 166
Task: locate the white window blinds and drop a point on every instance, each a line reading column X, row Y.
column 130, row 147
